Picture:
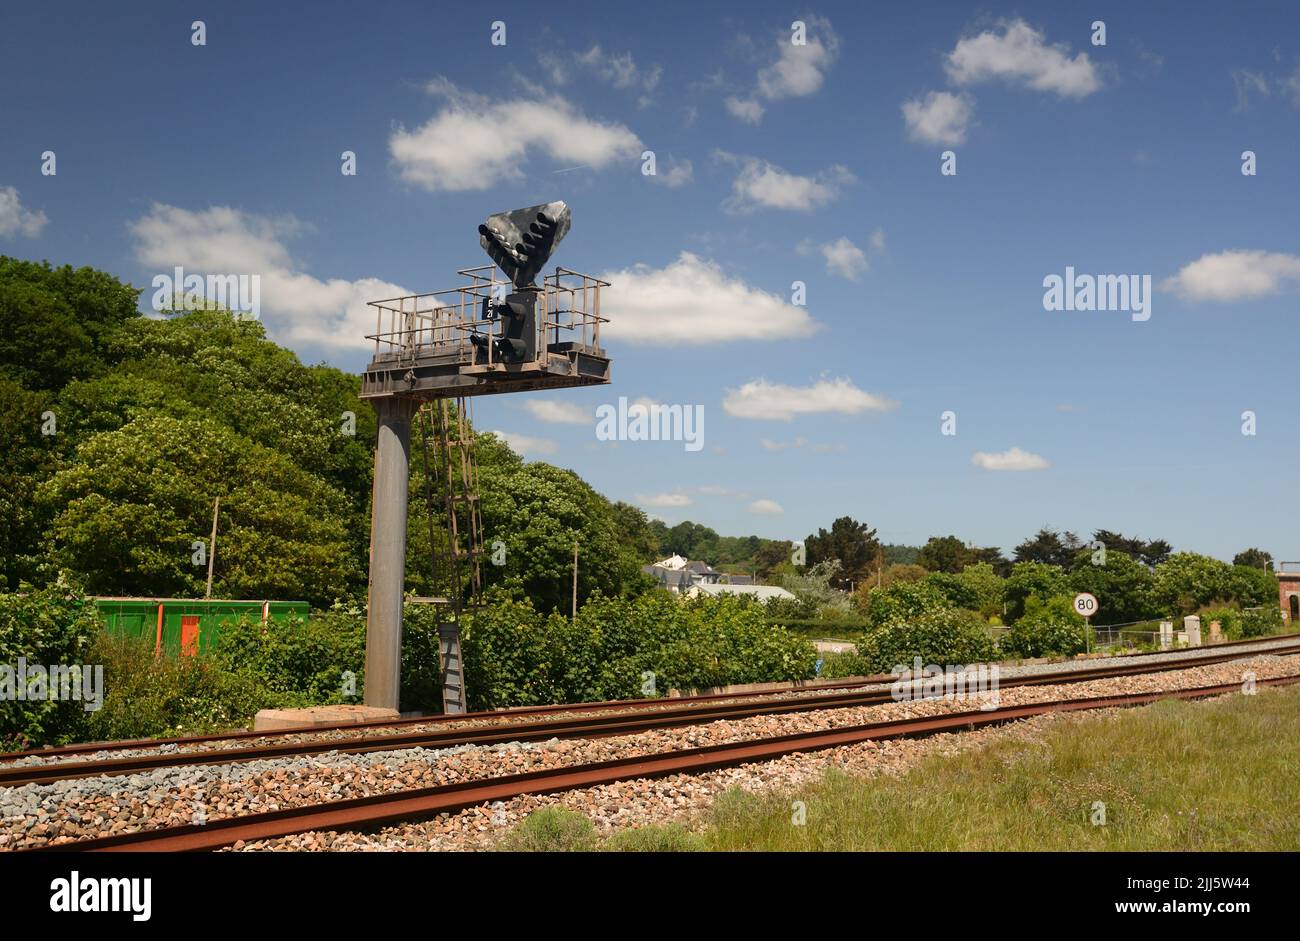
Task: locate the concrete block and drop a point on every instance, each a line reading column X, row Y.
column 276, row 720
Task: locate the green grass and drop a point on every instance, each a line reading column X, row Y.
column 1177, row 775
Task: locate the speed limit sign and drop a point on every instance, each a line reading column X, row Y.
column 1085, row 604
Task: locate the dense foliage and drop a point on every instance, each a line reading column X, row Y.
column 941, row 637
column 515, row 655
column 54, row 627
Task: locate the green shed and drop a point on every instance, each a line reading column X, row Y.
column 186, row 625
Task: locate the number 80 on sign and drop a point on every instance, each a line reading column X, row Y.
column 1085, row 604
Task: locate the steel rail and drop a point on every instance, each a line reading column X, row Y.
column 597, row 726
column 378, row 810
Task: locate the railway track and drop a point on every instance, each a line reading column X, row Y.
column 378, row 810
column 584, row 726
column 527, row 712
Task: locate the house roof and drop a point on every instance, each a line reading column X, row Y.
column 761, row 592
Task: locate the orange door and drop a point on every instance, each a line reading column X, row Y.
column 189, row 635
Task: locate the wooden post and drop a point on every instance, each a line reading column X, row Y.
column 212, row 545
column 575, row 579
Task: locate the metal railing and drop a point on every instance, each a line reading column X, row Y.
column 444, row 322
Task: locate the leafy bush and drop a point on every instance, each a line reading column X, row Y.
column 53, row 627
column 148, row 696
column 550, row 830
column 1046, row 628
column 1187, row 581
column 1123, row 586
column 958, row 591
column 988, row 587
column 816, row 592
column 1262, row 621
column 302, row 663
column 303, row 660
column 903, row 600
column 1238, row 624
column 838, row 665
column 515, row 656
column 950, row 636
column 1033, row 578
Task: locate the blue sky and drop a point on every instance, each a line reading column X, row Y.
column 1115, row 159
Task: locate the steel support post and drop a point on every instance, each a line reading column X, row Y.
column 388, row 551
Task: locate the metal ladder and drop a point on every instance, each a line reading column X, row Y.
column 449, row 467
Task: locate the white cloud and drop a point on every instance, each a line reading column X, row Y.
column 466, row 146
column 16, row 220
column 764, row 185
column 554, row 411
column 940, row 118
column 297, row 308
column 796, row 71
column 1019, row 54
column 766, row 507
column 1248, row 83
column 664, row 500
column 843, row 258
column 800, row 70
column 693, row 301
column 678, row 175
column 1238, row 274
column 749, row 110
column 524, row 445
column 761, row 399
column 821, row 448
column 1291, row 86
column 1012, row 460
column 618, row 69
column 770, row 445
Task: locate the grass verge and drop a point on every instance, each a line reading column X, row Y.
column 1176, row 775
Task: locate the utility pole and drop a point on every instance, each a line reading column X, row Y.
column 212, row 544
column 575, row 578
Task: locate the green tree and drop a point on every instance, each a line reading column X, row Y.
column 131, row 503
column 1187, row 581
column 945, row 554
column 771, row 554
column 1254, row 558
column 53, row 321
column 987, row 587
column 1150, row 552
column 28, row 456
column 537, row 512
column 1049, row 547
column 1123, row 587
column 1033, row 578
column 853, row 543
